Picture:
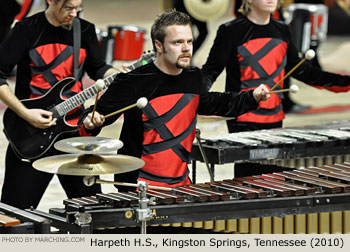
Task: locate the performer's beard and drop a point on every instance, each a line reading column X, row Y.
column 184, row 65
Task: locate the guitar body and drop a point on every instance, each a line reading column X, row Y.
column 30, row 142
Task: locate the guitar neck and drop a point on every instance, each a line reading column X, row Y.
column 80, row 98
column 136, row 64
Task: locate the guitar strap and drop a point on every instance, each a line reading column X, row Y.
column 76, row 46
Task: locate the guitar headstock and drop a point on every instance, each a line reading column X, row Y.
column 147, row 57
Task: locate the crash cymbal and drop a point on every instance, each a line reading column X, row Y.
column 89, row 145
column 88, row 165
column 203, row 119
column 205, row 10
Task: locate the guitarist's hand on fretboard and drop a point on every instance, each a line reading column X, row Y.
column 97, row 122
column 31, row 140
column 124, row 68
column 39, row 118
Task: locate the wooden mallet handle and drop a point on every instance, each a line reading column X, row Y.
column 293, row 88
column 310, row 54
column 141, row 103
column 99, row 86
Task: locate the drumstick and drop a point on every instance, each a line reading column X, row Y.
column 99, row 86
column 293, row 88
column 310, row 54
column 101, row 181
column 141, row 103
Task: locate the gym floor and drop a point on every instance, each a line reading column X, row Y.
column 334, row 55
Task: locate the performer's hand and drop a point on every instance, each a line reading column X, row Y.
column 261, row 93
column 40, row 118
column 123, row 69
column 91, row 124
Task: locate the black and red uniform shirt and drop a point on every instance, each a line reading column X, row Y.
column 162, row 133
column 262, row 54
column 43, row 54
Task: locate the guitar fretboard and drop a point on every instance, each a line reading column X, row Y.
column 80, row 98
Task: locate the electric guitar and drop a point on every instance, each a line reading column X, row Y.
column 30, row 142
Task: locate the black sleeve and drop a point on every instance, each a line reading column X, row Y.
column 8, row 10
column 228, row 104
column 95, row 65
column 12, row 50
column 314, row 76
column 119, row 94
column 218, row 57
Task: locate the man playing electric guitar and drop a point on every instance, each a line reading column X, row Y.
column 42, row 48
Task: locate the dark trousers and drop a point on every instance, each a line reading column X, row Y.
column 249, row 169
column 24, row 186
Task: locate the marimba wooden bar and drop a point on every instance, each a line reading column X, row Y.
column 308, row 200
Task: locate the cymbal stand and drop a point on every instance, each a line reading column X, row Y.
column 143, row 213
column 204, row 156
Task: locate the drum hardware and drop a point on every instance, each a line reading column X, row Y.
column 143, row 213
column 309, row 22
column 204, row 156
column 81, row 217
column 103, row 39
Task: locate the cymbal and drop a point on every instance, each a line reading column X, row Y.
column 202, row 118
column 88, row 165
column 207, row 10
column 89, row 145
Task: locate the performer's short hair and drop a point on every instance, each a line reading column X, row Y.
column 167, row 18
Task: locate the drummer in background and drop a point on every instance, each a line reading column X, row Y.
column 255, row 49
column 44, row 36
column 162, row 132
column 201, row 26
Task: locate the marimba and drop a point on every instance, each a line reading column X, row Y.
column 288, row 147
column 308, row 200
column 17, row 221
